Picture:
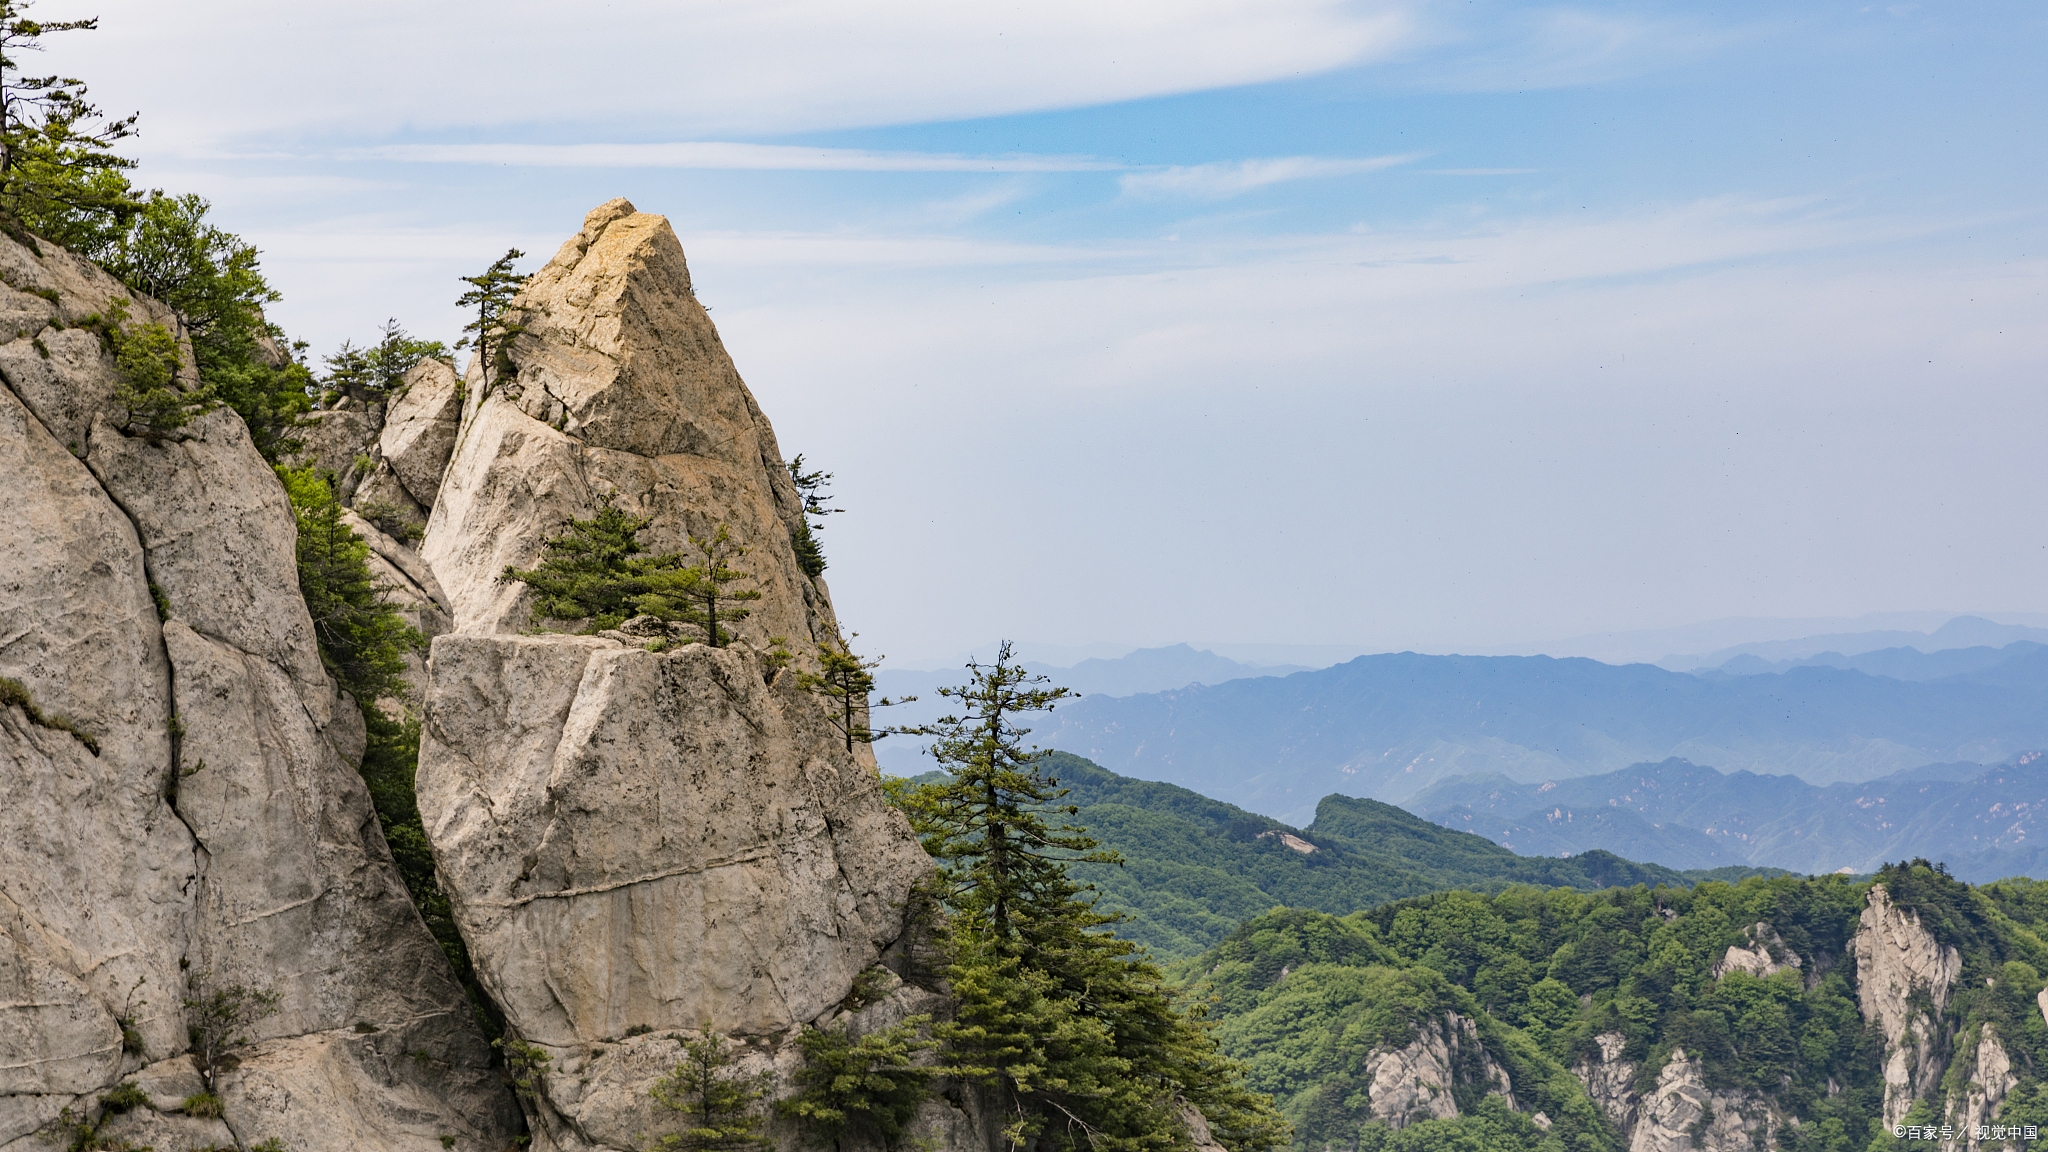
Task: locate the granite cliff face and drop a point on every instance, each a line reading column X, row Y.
column 1902, row 972
column 209, row 822
column 1414, row 1082
column 1679, row 1112
column 643, row 845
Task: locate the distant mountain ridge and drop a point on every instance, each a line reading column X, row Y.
column 1195, row 867
column 1144, row 670
column 1960, row 632
column 1986, row 823
column 1897, row 663
column 1389, row 726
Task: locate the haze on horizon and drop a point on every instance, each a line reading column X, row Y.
column 1399, row 324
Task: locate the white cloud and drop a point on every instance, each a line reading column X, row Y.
column 720, row 155
column 685, row 68
column 1224, row 179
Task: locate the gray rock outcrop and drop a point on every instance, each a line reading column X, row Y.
column 1413, row 1082
column 1897, row 963
column 1763, row 953
column 1679, row 1113
column 642, row 845
column 1987, row 1077
column 196, row 809
column 619, row 385
column 420, row 429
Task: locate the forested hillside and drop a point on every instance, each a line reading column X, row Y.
column 1984, row 822
column 1757, row 1014
column 1195, row 867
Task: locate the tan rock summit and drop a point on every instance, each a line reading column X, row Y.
column 619, row 384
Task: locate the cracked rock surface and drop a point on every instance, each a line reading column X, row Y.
column 220, row 825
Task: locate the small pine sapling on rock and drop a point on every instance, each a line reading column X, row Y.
column 843, row 682
column 594, row 571
column 716, row 1104
column 490, row 293
column 217, row 1015
column 811, row 487
column 700, row 593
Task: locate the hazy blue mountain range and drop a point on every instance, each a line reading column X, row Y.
column 1898, row 663
column 1960, row 632
column 1987, row 823
column 1145, row 670
column 1195, row 867
column 1390, row 726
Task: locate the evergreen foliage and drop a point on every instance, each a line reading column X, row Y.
column 364, row 642
column 715, row 1103
column 377, row 372
column 212, row 282
column 363, row 639
column 810, row 556
column 1304, row 997
column 594, row 570
column 146, row 360
column 490, row 293
column 843, row 681
column 58, row 172
column 1074, row 1029
column 865, row 1087
column 699, row 593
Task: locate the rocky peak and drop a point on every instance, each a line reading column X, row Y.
column 642, row 844
column 1898, row 962
column 618, row 385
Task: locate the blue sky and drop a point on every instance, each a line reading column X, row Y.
column 1398, row 324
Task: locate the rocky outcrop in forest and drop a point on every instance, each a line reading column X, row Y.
column 179, row 802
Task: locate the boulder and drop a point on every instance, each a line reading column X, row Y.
column 636, row 841
column 420, row 429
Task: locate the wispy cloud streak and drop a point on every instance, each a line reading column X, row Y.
column 719, row 154
column 1222, row 180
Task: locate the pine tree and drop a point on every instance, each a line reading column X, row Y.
column 362, row 638
column 843, row 681
column 377, row 372
column 490, row 293
column 810, row 556
column 1076, row 1029
column 211, row 281
column 58, row 173
column 701, row 589
column 594, row 570
column 716, row 1104
column 147, row 361
column 865, row 1087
